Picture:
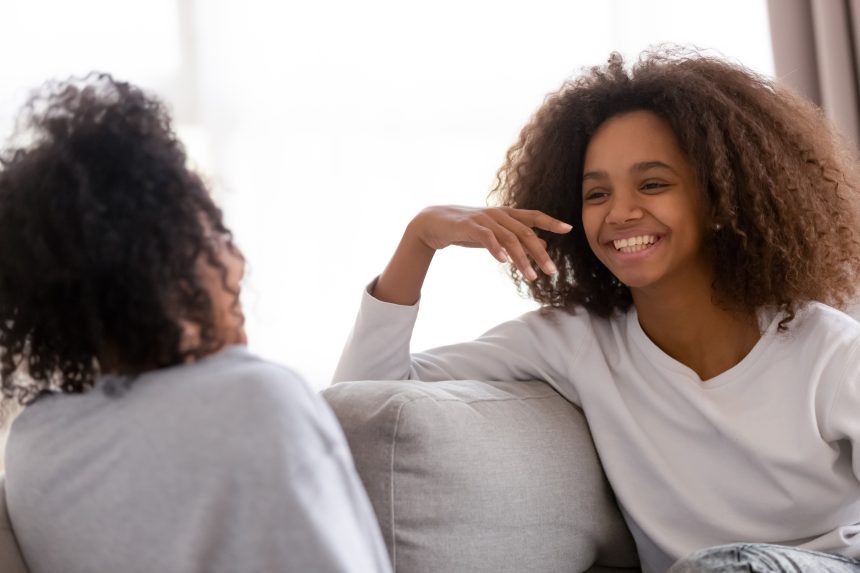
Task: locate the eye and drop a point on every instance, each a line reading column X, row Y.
column 653, row 186
column 595, row 195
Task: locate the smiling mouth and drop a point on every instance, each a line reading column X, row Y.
column 635, row 244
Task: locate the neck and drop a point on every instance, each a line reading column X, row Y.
column 683, row 320
column 110, row 363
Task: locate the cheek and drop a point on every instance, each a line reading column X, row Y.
column 697, row 240
column 591, row 227
column 235, row 278
column 686, row 225
column 235, row 271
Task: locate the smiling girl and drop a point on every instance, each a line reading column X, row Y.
column 690, row 229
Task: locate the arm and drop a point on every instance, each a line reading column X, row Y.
column 378, row 347
column 507, row 233
column 333, row 527
column 841, row 421
column 295, row 499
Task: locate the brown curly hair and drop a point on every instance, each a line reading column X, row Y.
column 102, row 229
column 780, row 182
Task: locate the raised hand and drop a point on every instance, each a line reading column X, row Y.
column 506, row 232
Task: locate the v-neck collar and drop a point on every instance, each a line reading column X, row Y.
column 768, row 320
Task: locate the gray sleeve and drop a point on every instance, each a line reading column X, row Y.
column 378, row 348
column 332, row 524
column 300, row 505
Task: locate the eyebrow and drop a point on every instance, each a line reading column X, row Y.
column 636, row 168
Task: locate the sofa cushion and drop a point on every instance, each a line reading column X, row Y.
column 481, row 476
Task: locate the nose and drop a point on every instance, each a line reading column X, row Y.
column 623, row 208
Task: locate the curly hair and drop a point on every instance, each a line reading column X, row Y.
column 102, row 230
column 781, row 184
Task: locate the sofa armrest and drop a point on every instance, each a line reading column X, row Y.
column 481, row 476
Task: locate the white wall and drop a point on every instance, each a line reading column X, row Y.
column 325, row 126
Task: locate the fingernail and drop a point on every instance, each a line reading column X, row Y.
column 566, row 226
column 532, row 274
column 551, row 267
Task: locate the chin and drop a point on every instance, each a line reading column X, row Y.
column 242, row 338
column 635, row 281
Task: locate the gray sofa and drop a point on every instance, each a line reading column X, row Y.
column 477, row 477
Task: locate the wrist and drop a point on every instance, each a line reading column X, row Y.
column 414, row 239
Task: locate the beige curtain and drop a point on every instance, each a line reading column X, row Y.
column 816, row 46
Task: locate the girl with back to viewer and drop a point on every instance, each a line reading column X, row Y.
column 152, row 439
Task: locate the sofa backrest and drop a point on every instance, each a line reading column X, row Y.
column 11, row 560
column 481, row 476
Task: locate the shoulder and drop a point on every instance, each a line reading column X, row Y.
column 193, row 422
column 247, row 378
column 828, row 340
column 238, row 404
column 263, row 393
column 820, row 324
column 821, row 343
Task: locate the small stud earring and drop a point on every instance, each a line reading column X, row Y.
column 717, row 226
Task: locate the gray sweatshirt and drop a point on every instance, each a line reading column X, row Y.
column 225, row 465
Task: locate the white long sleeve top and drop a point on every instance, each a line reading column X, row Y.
column 767, row 451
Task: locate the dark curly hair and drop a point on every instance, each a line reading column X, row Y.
column 102, row 229
column 781, row 184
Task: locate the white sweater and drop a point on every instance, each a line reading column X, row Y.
column 765, row 452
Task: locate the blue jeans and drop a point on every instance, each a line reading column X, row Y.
column 763, row 558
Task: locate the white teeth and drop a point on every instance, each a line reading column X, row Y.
column 634, row 244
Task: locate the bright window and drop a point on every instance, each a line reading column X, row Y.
column 325, row 126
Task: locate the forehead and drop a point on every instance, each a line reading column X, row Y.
column 631, row 138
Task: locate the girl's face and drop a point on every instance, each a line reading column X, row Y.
column 643, row 211
column 228, row 318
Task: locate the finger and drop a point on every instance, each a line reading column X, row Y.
column 514, row 247
column 540, row 220
column 487, row 238
column 534, row 245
